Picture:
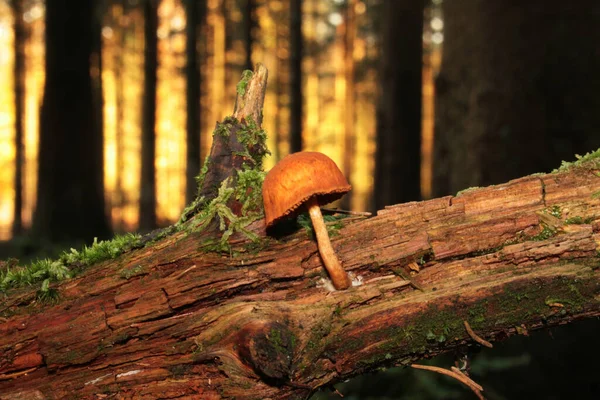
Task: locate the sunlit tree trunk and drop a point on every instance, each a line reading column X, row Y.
column 195, row 10
column 517, row 91
column 119, row 54
column 295, row 75
column 350, row 98
column 148, row 173
column 70, row 198
column 19, row 90
column 397, row 165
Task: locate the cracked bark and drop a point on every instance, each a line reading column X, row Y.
column 259, row 324
column 207, row 325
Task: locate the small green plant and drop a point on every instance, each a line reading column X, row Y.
column 229, row 223
column 332, row 228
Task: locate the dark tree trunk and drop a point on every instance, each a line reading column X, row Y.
column 279, row 81
column 296, row 40
column 398, row 160
column 195, row 15
column 147, row 219
column 349, row 108
column 249, row 26
column 70, row 198
column 518, row 89
column 98, row 10
column 19, row 89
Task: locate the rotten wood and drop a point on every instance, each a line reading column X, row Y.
column 208, row 325
column 258, row 321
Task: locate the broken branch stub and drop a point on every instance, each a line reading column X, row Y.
column 237, row 151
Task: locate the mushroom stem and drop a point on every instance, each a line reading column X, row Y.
column 339, row 277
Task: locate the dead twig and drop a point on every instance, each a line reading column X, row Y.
column 339, row 211
column 459, row 376
column 475, row 337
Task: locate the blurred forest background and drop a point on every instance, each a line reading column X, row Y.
column 107, row 109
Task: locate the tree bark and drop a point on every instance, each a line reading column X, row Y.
column 397, row 159
column 256, row 325
column 172, row 318
column 147, row 218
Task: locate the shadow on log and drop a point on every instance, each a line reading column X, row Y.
column 256, row 321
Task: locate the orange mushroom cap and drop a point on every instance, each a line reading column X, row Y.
column 298, row 177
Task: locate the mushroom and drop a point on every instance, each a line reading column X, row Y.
column 306, row 180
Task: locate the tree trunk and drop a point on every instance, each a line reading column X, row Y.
column 349, row 98
column 249, row 26
column 195, row 11
column 173, row 318
column 70, row 195
column 98, row 12
column 119, row 52
column 515, row 76
column 19, row 90
column 282, row 38
column 147, row 219
column 397, row 160
column 295, row 74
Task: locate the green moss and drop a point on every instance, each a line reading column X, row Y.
column 244, row 187
column 243, row 83
column 477, row 313
column 229, row 223
column 279, row 343
column 47, row 294
column 333, row 224
column 203, row 171
column 127, row 273
column 555, row 211
column 224, row 128
column 578, row 220
column 520, row 303
column 467, row 190
column 546, row 233
column 338, row 311
column 46, row 271
column 254, row 138
column 179, row 370
column 592, row 159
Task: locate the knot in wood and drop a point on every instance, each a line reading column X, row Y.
column 267, row 347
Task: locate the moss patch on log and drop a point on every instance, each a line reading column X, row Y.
column 590, row 160
column 440, row 327
column 70, row 263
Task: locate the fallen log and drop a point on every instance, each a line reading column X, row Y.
column 256, row 319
